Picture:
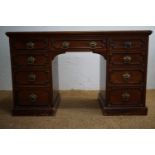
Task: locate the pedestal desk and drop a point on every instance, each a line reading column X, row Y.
column 125, row 52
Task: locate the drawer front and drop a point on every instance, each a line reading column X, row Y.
column 125, row 97
column 127, row 44
column 30, row 59
column 79, row 44
column 31, row 77
column 126, row 77
column 33, row 97
column 30, row 44
column 127, row 59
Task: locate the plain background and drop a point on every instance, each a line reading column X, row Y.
column 80, row 71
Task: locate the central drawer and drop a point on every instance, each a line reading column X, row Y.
column 32, row 77
column 79, row 44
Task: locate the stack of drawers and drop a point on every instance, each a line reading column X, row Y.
column 126, row 72
column 31, row 74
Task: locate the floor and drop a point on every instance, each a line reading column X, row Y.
column 78, row 109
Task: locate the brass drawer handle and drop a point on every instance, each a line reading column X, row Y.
column 127, row 59
column 125, row 96
column 65, row 44
column 127, row 44
column 31, row 60
column 30, row 45
column 33, row 98
column 126, row 76
column 32, row 77
column 93, row 44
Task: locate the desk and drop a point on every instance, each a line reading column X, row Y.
column 125, row 52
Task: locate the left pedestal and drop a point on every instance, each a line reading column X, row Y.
column 33, row 90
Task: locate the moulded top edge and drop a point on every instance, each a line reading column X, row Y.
column 148, row 32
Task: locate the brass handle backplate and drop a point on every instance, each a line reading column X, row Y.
column 127, row 44
column 125, row 96
column 31, row 60
column 126, row 76
column 65, row 44
column 127, row 59
column 93, row 44
column 32, row 77
column 30, row 45
column 33, row 98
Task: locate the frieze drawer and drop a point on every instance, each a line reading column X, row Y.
column 30, row 44
column 127, row 44
column 79, row 44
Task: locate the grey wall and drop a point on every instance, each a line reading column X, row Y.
column 76, row 70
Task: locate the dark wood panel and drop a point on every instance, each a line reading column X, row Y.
column 32, row 77
column 30, row 44
column 125, row 97
column 127, row 43
column 79, row 44
column 127, row 59
column 33, row 97
column 126, row 77
column 29, row 60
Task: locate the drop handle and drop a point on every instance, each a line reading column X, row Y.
column 30, row 45
column 127, row 59
column 32, row 77
column 65, row 44
column 33, row 98
column 126, row 76
column 125, row 96
column 31, row 60
column 93, row 44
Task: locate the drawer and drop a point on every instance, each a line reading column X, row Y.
column 31, row 77
column 30, row 59
column 127, row 44
column 41, row 96
column 79, row 44
column 126, row 77
column 30, row 44
column 125, row 96
column 127, row 59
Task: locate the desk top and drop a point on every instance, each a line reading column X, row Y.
column 144, row 32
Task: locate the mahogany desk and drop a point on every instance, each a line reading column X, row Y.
column 125, row 52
